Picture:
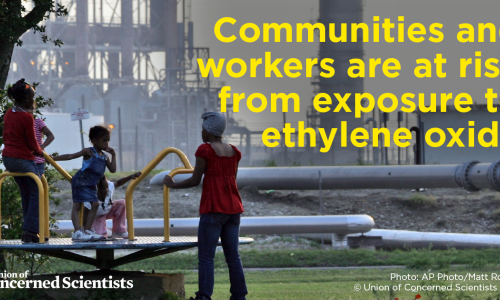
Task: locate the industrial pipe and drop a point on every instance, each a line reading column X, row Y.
column 471, row 175
column 406, row 239
column 251, row 225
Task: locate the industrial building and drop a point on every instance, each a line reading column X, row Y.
column 106, row 66
column 478, row 121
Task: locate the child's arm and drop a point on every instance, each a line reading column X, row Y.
column 199, row 169
column 86, row 153
column 124, row 180
column 49, row 135
column 111, row 164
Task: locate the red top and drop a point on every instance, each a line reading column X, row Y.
column 19, row 136
column 220, row 193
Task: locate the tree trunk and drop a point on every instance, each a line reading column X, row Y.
column 6, row 50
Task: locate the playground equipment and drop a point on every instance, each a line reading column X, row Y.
column 148, row 246
column 43, row 198
column 471, row 175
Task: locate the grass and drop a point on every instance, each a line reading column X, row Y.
column 339, row 284
column 306, row 284
column 415, row 259
column 303, row 284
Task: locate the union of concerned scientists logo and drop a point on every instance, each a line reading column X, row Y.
column 67, row 283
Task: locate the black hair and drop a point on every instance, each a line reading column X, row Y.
column 102, row 189
column 97, row 132
column 21, row 91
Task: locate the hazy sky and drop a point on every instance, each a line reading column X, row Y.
column 450, row 13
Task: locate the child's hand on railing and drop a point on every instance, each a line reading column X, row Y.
column 136, row 175
column 168, row 181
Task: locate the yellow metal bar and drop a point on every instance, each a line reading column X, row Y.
column 41, row 202
column 1, row 183
column 51, row 161
column 131, row 187
column 80, row 215
column 65, row 174
column 166, row 201
column 46, row 201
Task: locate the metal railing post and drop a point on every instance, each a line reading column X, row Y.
column 166, row 201
column 131, row 187
column 41, row 201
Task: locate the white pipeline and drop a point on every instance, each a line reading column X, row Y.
column 471, row 176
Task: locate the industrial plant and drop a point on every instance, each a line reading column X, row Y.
column 134, row 62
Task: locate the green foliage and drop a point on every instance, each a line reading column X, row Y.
column 418, row 201
column 439, row 260
column 16, row 294
column 16, row 20
column 421, row 263
column 270, row 163
column 478, row 263
column 109, row 294
column 389, row 295
column 169, row 296
column 438, row 294
column 416, row 259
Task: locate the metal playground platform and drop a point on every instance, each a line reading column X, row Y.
column 146, row 247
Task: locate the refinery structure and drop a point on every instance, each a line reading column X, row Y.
column 106, row 66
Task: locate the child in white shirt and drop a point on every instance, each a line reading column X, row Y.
column 109, row 209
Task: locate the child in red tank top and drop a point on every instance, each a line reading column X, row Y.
column 220, row 206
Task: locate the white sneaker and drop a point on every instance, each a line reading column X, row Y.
column 95, row 236
column 123, row 235
column 80, row 236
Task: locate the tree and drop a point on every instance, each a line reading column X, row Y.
column 15, row 20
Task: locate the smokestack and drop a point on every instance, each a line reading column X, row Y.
column 170, row 30
column 82, row 38
column 127, row 40
column 341, row 11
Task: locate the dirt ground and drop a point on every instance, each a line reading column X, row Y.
column 433, row 210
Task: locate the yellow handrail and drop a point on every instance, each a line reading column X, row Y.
column 66, row 175
column 1, row 183
column 51, row 161
column 131, row 187
column 42, row 202
column 46, row 205
column 166, row 201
